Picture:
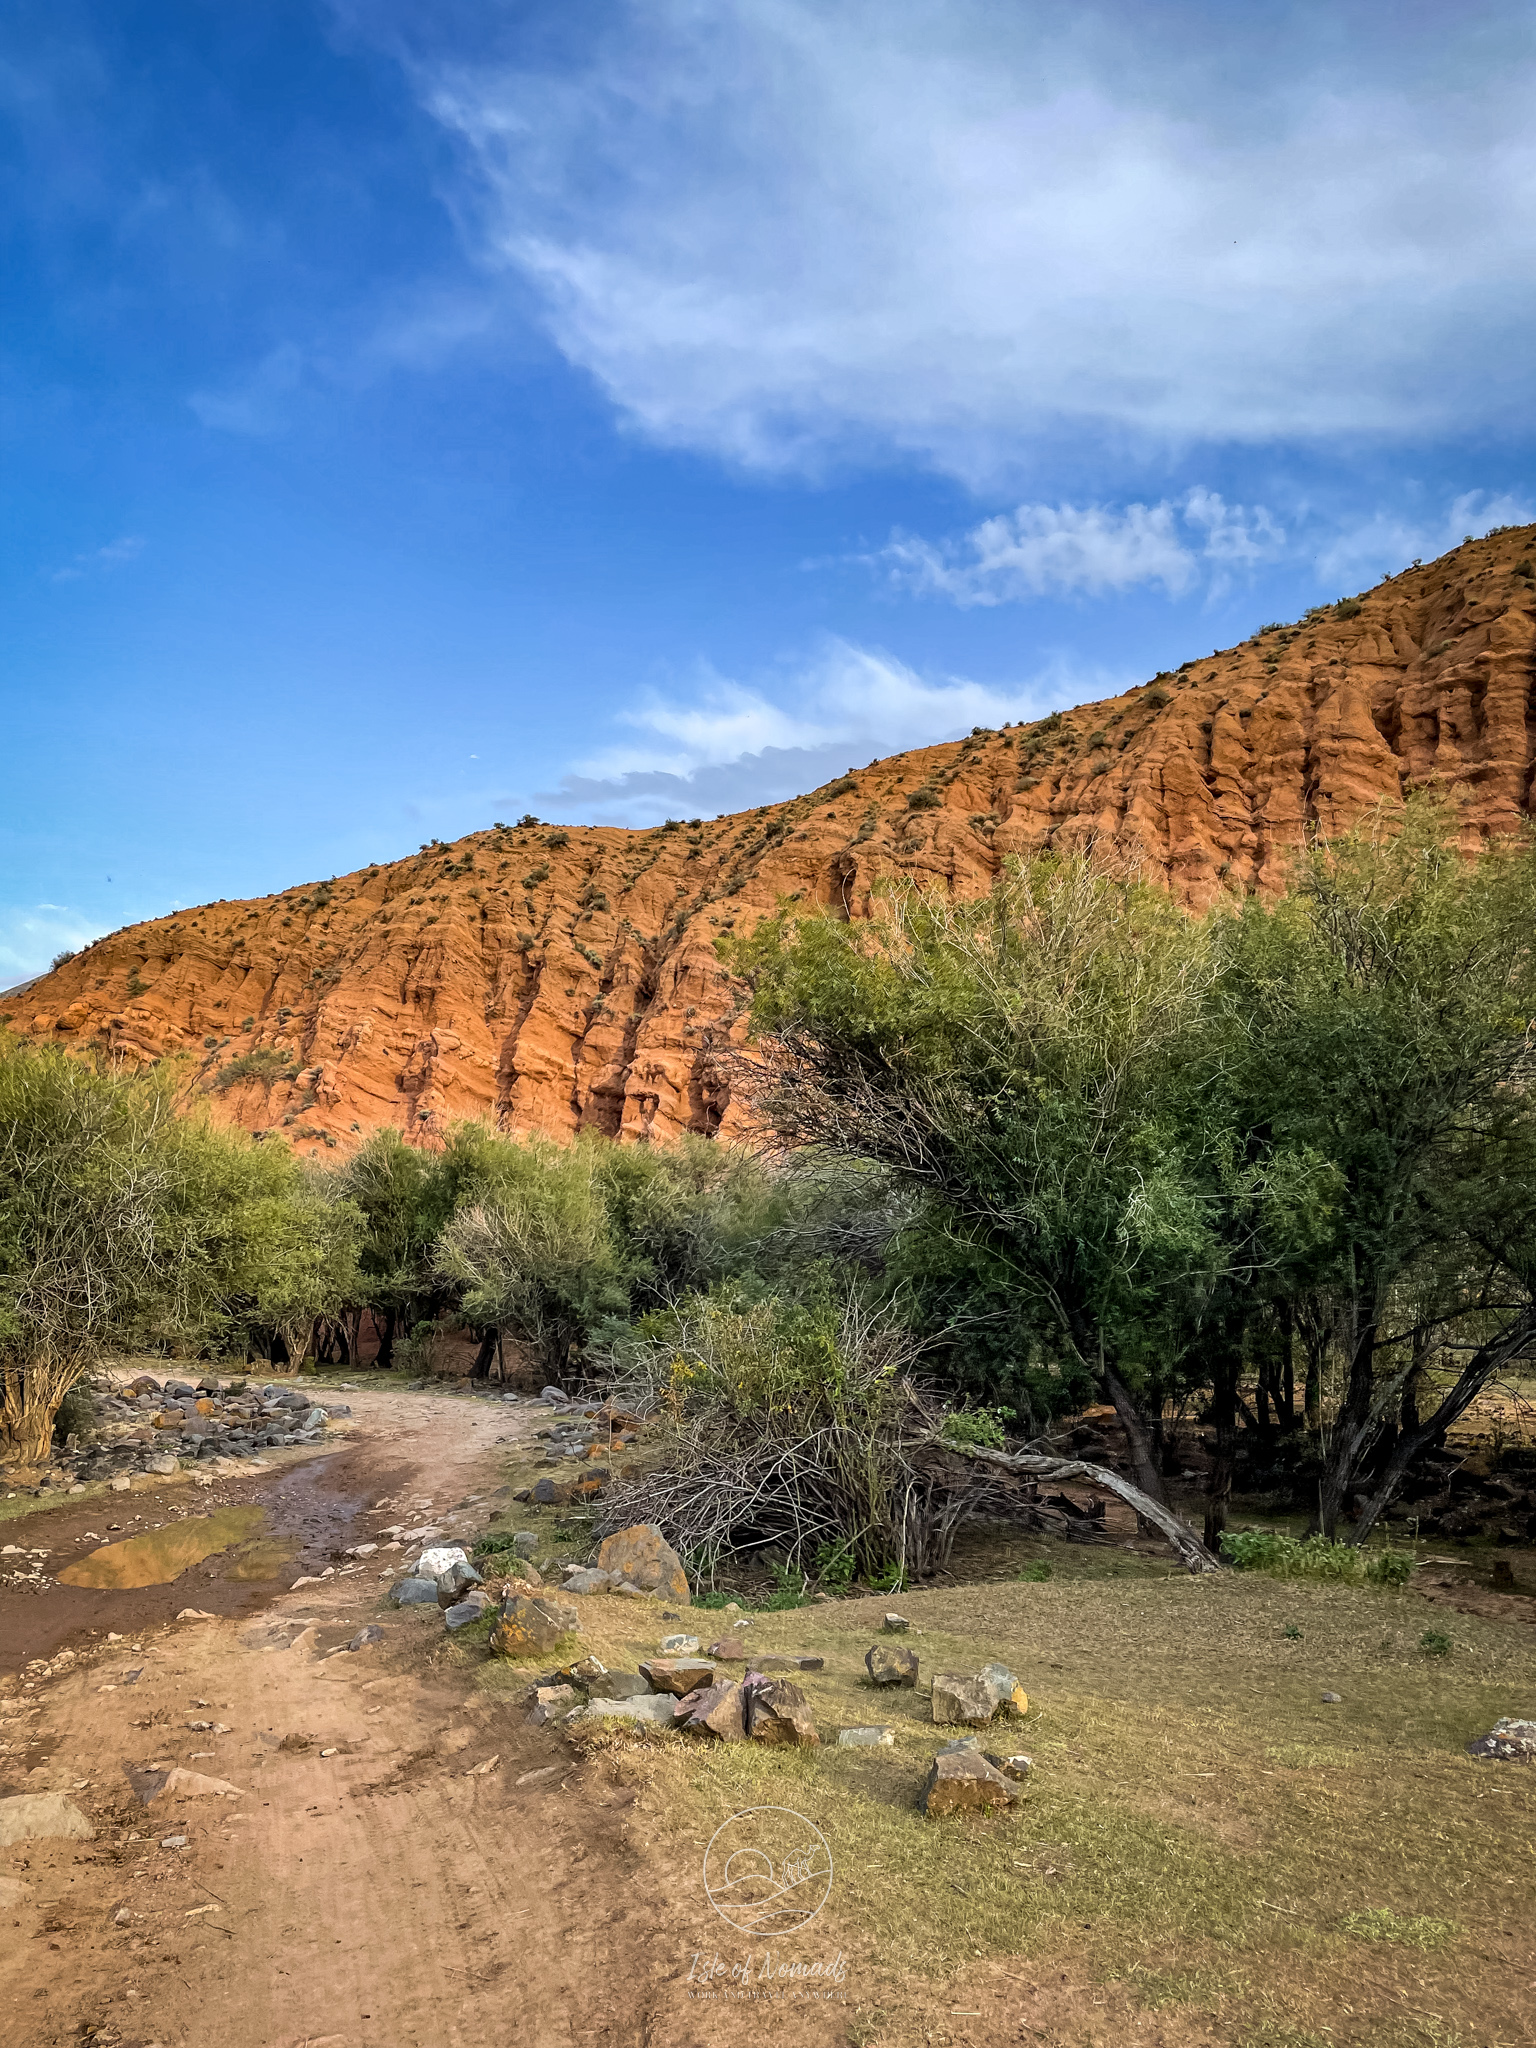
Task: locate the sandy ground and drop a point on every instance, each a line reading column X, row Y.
column 375, row 1885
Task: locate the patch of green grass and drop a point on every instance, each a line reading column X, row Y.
column 1435, row 1643
column 1380, row 1923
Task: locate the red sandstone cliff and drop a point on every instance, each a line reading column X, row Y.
column 564, row 978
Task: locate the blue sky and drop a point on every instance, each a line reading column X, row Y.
column 418, row 415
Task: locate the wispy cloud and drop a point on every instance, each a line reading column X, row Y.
column 1387, row 541
column 32, row 934
column 722, row 745
column 1068, row 550
column 112, row 556
column 258, row 402
column 780, row 231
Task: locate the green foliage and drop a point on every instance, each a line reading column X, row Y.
column 1348, row 608
column 124, row 1223
column 924, row 800
column 1313, row 1557
column 1434, row 1643
column 1291, row 1632
column 977, row 1426
column 1036, row 1572
column 264, row 1064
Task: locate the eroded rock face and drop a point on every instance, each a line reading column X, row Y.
column 564, row 978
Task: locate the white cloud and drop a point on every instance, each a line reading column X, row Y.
column 1387, row 542
column 257, row 403
column 112, row 556
column 725, row 745
column 1040, row 550
column 780, row 230
column 31, row 934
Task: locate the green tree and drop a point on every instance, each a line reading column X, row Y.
column 1025, row 1060
column 1381, row 1017
column 123, row 1223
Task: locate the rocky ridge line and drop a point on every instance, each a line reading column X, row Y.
column 564, row 978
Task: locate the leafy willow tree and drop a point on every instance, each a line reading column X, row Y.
column 530, row 1248
column 1380, row 1015
column 123, row 1222
column 1026, row 1060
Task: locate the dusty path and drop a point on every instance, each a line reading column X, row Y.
column 371, row 1889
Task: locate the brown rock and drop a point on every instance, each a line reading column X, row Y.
column 678, row 1675
column 643, row 1556
column 777, row 1711
column 552, row 1703
column 716, row 1710
column 526, row 1626
column 729, row 1650
column 890, row 1664
column 962, row 1781
column 551, row 1493
column 775, row 1663
column 959, row 1696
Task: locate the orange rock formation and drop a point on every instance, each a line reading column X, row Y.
column 564, row 978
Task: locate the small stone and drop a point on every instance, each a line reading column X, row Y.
column 164, row 1466
column 714, row 1710
column 1016, row 1767
column 551, row 1493
column 729, row 1650
column 617, row 1685
column 1332, row 1699
column 1006, row 1690
column 959, row 1697
column 774, row 1663
column 371, row 1634
column 866, row 1738
column 433, row 1563
column 553, row 1703
column 1507, row 1742
column 196, row 1614
column 42, row 1816
column 120, row 1483
column 887, row 1666
column 680, row 1646
column 527, row 1625
column 778, row 1712
column 414, row 1593
column 961, row 1742
column 678, row 1675
column 588, row 1580
column 173, row 1841
column 453, row 1584
column 896, row 1624
column 525, row 1542
column 643, row 1557
column 962, row 1781
column 655, row 1708
column 463, row 1612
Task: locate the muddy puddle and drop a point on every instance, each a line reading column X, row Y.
column 155, row 1558
column 130, row 1562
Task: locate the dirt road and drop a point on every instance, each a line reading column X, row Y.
column 375, row 1886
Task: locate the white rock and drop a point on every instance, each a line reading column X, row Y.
column 40, row 1816
column 433, row 1563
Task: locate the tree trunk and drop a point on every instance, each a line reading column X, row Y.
column 1138, row 1434
column 29, row 1400
column 481, row 1369
column 1226, row 1365
column 1191, row 1551
column 1475, row 1375
column 1287, row 1368
column 386, row 1353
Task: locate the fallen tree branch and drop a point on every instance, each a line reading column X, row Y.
column 1191, row 1552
